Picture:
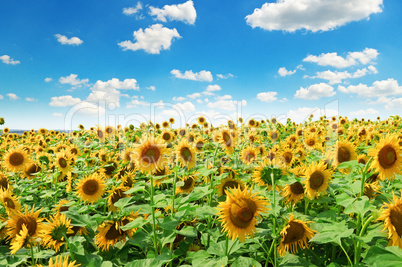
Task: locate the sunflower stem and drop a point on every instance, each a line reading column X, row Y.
column 274, row 217
column 174, row 192
column 32, row 256
column 364, row 173
column 347, row 256
column 227, row 246
column 153, row 216
column 68, row 246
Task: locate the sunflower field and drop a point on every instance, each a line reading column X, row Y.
column 247, row 193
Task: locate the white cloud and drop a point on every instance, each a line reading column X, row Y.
column 182, row 12
column 301, row 114
column 135, row 103
column 311, row 15
column 57, row 114
column 114, row 83
column 31, row 99
column 222, row 76
column 224, row 97
column 391, row 103
column 190, row 75
column 152, row 88
column 300, row 67
column 87, row 108
column 63, row 101
column 178, row 99
column 211, row 88
column 1, row 97
column 315, row 91
column 72, row 80
column 353, row 58
column 8, row 60
column 332, row 77
column 283, row 100
column 378, row 88
column 152, row 40
column 48, row 80
column 372, row 69
column 132, row 10
column 65, row 41
column 12, row 96
column 199, row 101
column 185, row 107
column 111, row 96
column 364, row 112
column 227, row 104
column 267, row 96
column 193, row 96
column 284, row 72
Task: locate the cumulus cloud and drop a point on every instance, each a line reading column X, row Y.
column 353, row 58
column 30, row 99
column 364, row 112
column 178, row 99
column 152, row 88
column 1, row 97
column 311, row 15
column 224, row 76
column 114, row 83
column 185, row 107
column 63, row 101
column 284, row 72
column 12, row 96
column 132, row 10
column 211, row 88
column 66, row 41
column 315, row 91
column 223, row 97
column 182, row 12
column 377, row 89
column 391, row 103
column 152, row 40
column 88, row 108
column 135, row 103
column 302, row 114
column 267, row 96
column 190, row 75
column 8, row 60
column 227, row 104
column 48, row 80
column 73, row 80
column 194, row 95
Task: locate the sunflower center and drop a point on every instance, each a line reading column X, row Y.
column 387, row 157
column 100, row 134
column 185, row 153
column 287, row 157
column 396, row 218
column 113, row 233
column 228, row 140
column 199, row 145
column 91, row 187
column 274, row 135
column 16, row 159
column 316, row 180
column 118, row 194
column 249, row 156
column 343, row 154
column 62, row 162
column 151, row 154
column 9, row 203
column 294, row 233
column 311, row 142
column 297, row 188
column 363, row 161
column 242, row 212
column 166, row 136
column 229, row 184
column 29, row 222
column 187, row 183
column 3, row 183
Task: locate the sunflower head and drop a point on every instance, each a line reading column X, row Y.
column 53, row 236
column 185, row 154
column 16, row 159
column 149, row 156
column 91, row 188
column 249, row 155
column 293, row 193
column 317, row 178
column 188, row 186
column 267, row 170
column 10, row 202
column 392, row 217
column 227, row 183
column 240, row 212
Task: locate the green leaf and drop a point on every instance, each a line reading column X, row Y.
column 348, row 164
column 383, row 257
column 169, row 223
column 81, row 220
column 244, row 261
column 293, row 260
column 137, row 223
column 147, row 262
column 124, row 202
column 359, row 206
column 188, row 231
column 331, row 232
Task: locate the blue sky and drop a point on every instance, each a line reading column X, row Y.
column 63, row 63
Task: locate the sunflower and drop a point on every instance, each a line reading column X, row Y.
column 252, row 123
column 4, row 183
column 262, row 173
column 317, row 178
column 287, row 156
column 16, row 159
column 171, row 120
column 239, row 213
column 185, row 154
column 226, row 139
column 53, row 236
column 392, row 217
column 387, row 157
column 30, row 219
column 91, row 188
column 293, row 192
column 20, row 240
column 161, row 175
column 60, row 261
column 229, row 182
column 110, row 233
column 295, row 234
column 248, row 155
column 31, row 169
column 253, row 137
column 63, row 161
column 188, row 186
column 371, row 190
column 343, row 151
column 100, row 133
column 11, row 203
column 62, row 206
column 199, row 143
column 167, row 135
column 149, row 156
column 116, row 194
column 311, row 142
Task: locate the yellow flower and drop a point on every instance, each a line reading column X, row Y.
column 11, row 203
column 53, row 236
column 317, row 178
column 16, row 159
column 185, row 154
column 149, row 156
column 229, row 182
column 392, row 217
column 239, row 213
column 20, row 241
column 188, row 186
column 248, row 155
column 91, row 188
column 30, row 219
column 293, row 192
column 295, row 234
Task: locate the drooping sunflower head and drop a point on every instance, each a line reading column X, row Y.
column 226, row 139
column 161, row 175
column 295, row 234
column 392, row 217
column 4, row 183
column 31, row 169
column 20, row 240
column 240, row 211
column 109, row 235
column 53, row 236
column 188, row 184
column 293, row 193
column 91, row 188
column 115, row 195
column 387, row 157
column 317, row 178
column 10, row 202
column 16, row 159
column 149, row 156
column 30, row 219
column 185, row 154
column 267, row 170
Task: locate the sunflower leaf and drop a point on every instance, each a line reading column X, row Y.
column 384, row 257
column 330, row 232
column 245, row 261
column 137, row 223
